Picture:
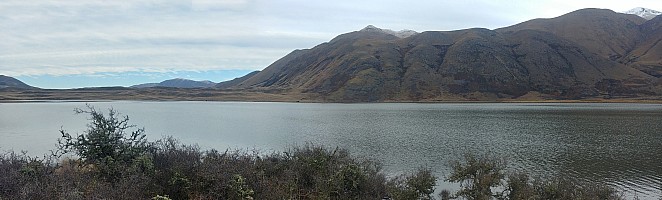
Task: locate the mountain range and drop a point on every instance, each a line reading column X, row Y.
column 10, row 82
column 588, row 53
column 585, row 54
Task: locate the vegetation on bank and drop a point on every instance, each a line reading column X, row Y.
column 113, row 160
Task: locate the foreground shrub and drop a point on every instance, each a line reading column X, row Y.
column 114, row 164
column 415, row 186
column 477, row 176
column 25, row 177
column 180, row 171
column 106, row 145
column 308, row 172
column 520, row 186
column 481, row 175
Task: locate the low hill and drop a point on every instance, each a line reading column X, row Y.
column 9, row 82
column 178, row 83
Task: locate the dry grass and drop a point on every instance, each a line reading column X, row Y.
column 173, row 94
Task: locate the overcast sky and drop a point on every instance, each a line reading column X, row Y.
column 80, row 43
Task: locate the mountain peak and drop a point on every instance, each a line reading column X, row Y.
column 645, row 13
column 371, row 28
column 401, row 34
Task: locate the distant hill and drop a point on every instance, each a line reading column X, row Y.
column 589, row 53
column 178, row 83
column 9, row 82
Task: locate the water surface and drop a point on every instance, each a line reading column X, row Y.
column 615, row 144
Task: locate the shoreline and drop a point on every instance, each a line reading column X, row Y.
column 599, row 101
column 215, row 95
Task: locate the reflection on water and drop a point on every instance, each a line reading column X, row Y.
column 616, row 144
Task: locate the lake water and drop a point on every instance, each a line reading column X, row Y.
column 615, row 144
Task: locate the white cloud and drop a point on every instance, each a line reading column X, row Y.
column 60, row 37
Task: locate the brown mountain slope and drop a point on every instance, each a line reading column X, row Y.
column 647, row 56
column 235, row 81
column 373, row 65
column 605, row 32
column 560, row 67
column 627, row 39
column 329, row 61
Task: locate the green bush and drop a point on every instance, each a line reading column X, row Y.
column 419, row 185
column 477, row 176
column 105, row 140
column 106, row 144
column 239, row 189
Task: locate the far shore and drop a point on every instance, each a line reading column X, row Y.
column 201, row 94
